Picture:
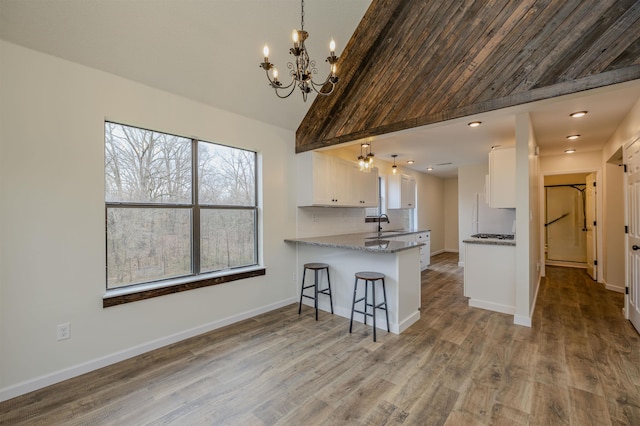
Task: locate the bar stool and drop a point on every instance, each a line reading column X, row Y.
column 373, row 278
column 315, row 267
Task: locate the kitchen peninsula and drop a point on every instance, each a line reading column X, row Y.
column 380, row 252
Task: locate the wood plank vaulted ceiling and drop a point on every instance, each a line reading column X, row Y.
column 413, row 63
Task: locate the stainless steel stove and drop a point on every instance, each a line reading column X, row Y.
column 494, row 236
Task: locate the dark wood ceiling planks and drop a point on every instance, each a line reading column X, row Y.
column 412, row 63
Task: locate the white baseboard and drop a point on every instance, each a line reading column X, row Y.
column 407, row 322
column 614, row 287
column 86, row 367
column 522, row 320
column 496, row 307
column 451, row 250
column 437, row 252
column 461, row 264
column 566, row 264
column 381, row 322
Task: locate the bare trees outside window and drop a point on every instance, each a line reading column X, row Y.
column 166, row 219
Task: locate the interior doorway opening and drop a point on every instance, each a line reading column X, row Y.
column 568, row 232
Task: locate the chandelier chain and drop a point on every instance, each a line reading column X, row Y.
column 302, row 15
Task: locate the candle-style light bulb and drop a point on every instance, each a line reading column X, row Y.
column 332, row 46
column 265, row 52
column 275, row 74
column 294, row 35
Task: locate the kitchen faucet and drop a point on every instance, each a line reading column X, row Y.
column 380, row 221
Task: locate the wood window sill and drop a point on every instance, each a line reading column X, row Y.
column 147, row 291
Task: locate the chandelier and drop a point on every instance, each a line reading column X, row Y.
column 365, row 160
column 302, row 70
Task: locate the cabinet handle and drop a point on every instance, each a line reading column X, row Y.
column 635, row 247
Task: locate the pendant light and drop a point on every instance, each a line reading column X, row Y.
column 394, row 168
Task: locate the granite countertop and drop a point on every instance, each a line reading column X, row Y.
column 490, row 241
column 364, row 241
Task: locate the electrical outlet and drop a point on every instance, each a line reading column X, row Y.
column 63, row 331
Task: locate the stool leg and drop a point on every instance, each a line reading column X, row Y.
column 353, row 305
column 304, row 272
column 315, row 289
column 329, row 283
column 373, row 295
column 386, row 311
column 366, row 296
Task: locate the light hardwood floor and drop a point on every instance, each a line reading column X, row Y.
column 579, row 364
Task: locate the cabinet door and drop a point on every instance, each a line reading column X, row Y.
column 368, row 189
column 408, row 192
column 322, row 180
column 425, row 250
column 341, row 183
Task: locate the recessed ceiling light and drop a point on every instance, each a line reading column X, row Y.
column 475, row 123
column 578, row 114
column 569, row 151
column 573, row 137
column 429, row 169
column 410, row 161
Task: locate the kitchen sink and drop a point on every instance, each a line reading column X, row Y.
column 377, row 243
column 383, row 233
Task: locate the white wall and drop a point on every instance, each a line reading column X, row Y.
column 626, row 132
column 614, row 221
column 614, row 254
column 52, row 249
column 527, row 220
column 451, row 242
column 430, row 205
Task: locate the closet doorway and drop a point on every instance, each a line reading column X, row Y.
column 570, row 237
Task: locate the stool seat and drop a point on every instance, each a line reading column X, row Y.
column 315, row 266
column 371, row 276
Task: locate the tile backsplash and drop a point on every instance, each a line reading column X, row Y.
column 318, row 221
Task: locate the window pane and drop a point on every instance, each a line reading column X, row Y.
column 227, row 239
column 146, row 167
column 147, row 244
column 226, row 175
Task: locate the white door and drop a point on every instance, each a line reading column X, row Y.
column 590, row 207
column 632, row 179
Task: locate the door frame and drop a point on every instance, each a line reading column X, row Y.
column 599, row 216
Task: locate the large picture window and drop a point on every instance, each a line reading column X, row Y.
column 176, row 207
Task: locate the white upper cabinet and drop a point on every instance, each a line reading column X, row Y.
column 501, row 183
column 365, row 187
column 401, row 192
column 324, row 180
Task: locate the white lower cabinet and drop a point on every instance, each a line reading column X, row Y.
column 425, row 250
column 418, row 237
column 490, row 276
